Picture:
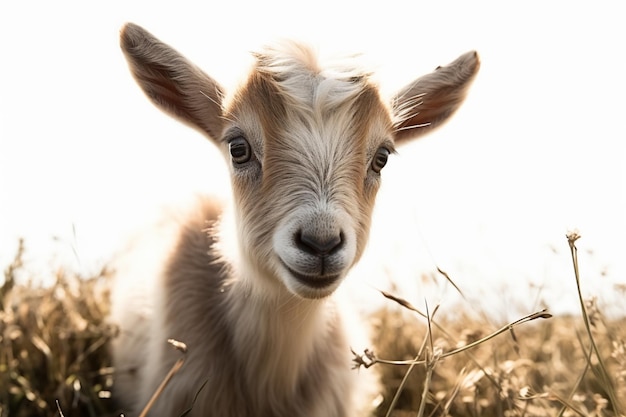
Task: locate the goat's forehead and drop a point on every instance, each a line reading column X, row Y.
column 302, row 80
column 287, row 85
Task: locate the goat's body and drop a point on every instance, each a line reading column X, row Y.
column 247, row 355
column 254, row 299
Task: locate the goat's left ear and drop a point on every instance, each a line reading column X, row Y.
column 429, row 101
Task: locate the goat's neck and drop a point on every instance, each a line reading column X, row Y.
column 277, row 330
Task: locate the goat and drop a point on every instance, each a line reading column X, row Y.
column 251, row 291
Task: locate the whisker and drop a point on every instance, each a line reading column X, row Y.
column 416, row 126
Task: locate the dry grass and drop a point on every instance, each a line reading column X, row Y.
column 53, row 347
column 541, row 369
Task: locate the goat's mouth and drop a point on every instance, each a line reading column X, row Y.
column 316, row 282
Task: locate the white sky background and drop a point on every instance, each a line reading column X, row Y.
column 537, row 149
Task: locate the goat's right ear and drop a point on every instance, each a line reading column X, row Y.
column 173, row 83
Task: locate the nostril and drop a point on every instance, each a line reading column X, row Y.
column 319, row 245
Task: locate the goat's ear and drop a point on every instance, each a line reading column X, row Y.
column 429, row 101
column 173, row 83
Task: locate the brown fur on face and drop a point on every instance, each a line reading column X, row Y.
column 314, row 137
column 251, row 290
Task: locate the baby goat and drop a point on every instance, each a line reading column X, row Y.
column 253, row 297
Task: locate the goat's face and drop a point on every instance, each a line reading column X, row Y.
column 306, row 151
column 306, row 148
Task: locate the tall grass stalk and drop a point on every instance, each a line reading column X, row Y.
column 405, row 378
column 431, row 361
column 542, row 314
column 566, row 402
column 601, row 372
column 181, row 347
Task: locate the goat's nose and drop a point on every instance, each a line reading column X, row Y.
column 319, row 245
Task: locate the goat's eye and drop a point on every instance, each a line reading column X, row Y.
column 380, row 159
column 240, row 150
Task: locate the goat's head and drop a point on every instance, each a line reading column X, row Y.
column 306, row 146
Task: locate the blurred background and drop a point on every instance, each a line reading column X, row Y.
column 536, row 150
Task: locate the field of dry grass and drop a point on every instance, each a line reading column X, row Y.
column 54, row 357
